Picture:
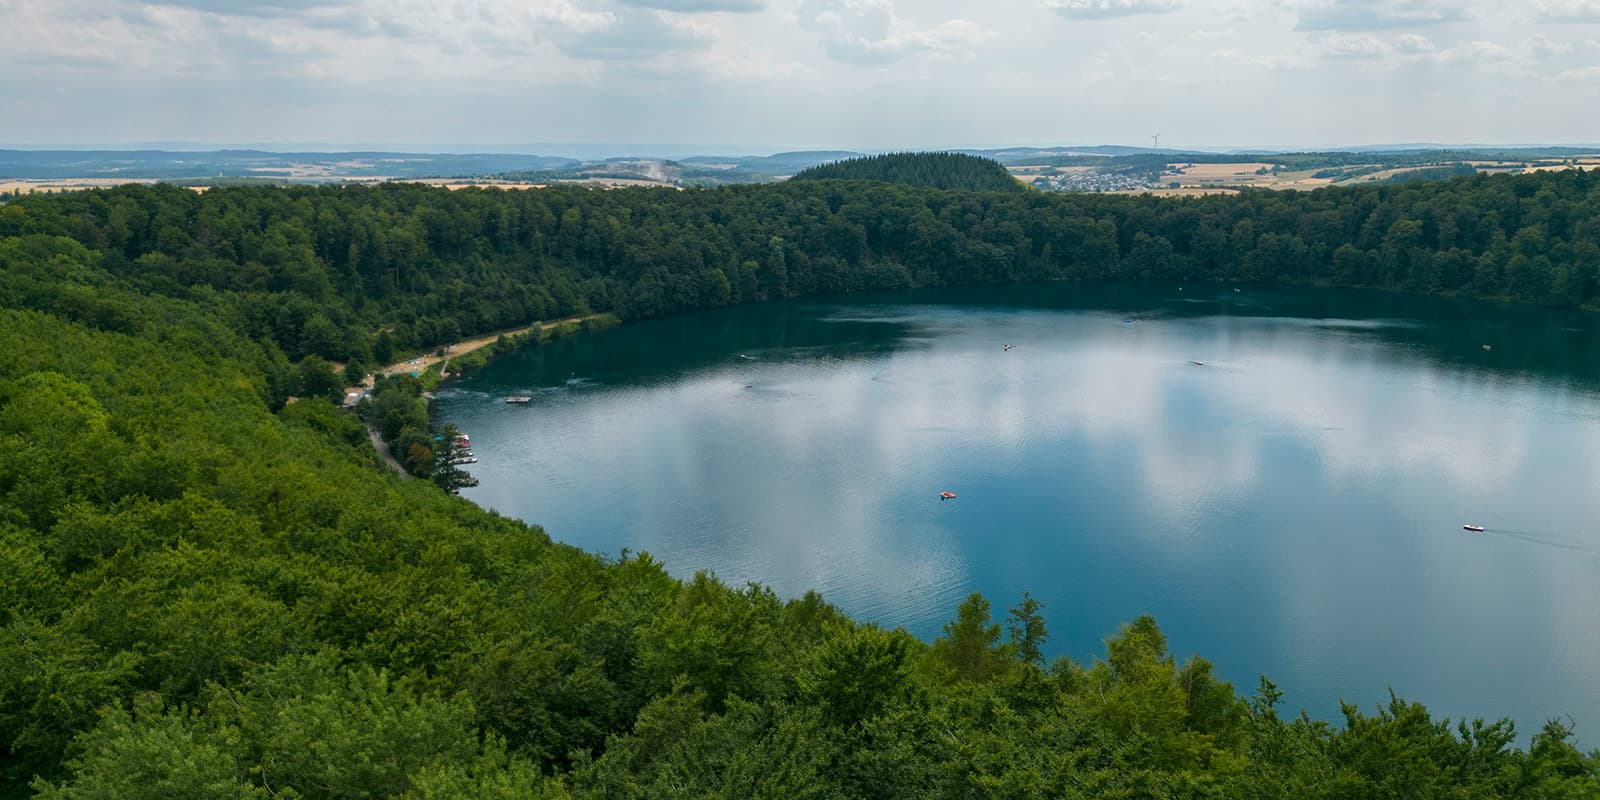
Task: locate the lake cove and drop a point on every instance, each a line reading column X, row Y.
column 1292, row 504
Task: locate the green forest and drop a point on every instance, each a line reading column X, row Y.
column 926, row 170
column 358, row 273
column 208, row 591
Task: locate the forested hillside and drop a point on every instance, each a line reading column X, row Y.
column 922, row 170
column 358, row 272
column 206, row 592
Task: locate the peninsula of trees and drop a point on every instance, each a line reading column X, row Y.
column 208, row 592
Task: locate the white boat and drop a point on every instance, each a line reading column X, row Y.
column 1471, row 527
column 519, row 399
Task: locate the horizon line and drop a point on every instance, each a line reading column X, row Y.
column 639, row 148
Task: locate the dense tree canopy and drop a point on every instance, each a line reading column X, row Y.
column 348, row 272
column 205, row 592
column 925, row 170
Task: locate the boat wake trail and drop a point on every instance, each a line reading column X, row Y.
column 1528, row 534
column 1564, row 543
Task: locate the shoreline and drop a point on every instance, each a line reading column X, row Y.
column 533, row 334
column 423, row 363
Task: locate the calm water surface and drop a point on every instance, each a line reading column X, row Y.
column 1293, row 506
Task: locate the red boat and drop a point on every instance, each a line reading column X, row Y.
column 947, row 495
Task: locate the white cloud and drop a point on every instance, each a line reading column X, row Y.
column 1110, row 9
column 1584, row 75
column 1544, row 47
column 1352, row 45
column 1475, row 52
column 695, row 6
column 630, row 34
column 1385, row 52
column 1277, row 62
column 1567, row 11
column 870, row 32
column 249, row 8
column 1376, row 15
column 788, row 73
column 1413, row 44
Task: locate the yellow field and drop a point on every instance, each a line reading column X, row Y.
column 1386, row 174
column 1194, row 180
column 1221, row 173
column 1228, row 175
column 1034, row 169
column 599, row 183
column 454, row 186
column 1298, row 179
column 1581, row 165
column 1183, row 191
column 16, row 186
column 613, row 182
column 458, row 183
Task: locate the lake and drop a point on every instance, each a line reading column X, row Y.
column 1292, row 505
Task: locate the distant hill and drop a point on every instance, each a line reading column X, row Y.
column 1027, row 155
column 795, row 161
column 304, row 166
column 775, row 165
column 1043, row 167
column 931, row 170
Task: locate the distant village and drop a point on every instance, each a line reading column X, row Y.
column 1090, row 181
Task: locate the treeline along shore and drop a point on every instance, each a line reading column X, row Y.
column 360, row 273
column 208, row 592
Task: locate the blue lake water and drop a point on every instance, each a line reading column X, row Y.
column 1292, row 506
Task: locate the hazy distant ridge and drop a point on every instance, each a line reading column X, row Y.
column 232, row 165
column 178, row 165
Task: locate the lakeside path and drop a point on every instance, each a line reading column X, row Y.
column 461, row 348
column 383, row 452
column 423, row 362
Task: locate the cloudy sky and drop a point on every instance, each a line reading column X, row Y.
column 770, row 74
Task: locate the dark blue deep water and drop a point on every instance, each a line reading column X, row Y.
column 1292, row 507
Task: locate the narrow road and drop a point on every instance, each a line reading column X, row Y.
column 422, row 362
column 383, row 452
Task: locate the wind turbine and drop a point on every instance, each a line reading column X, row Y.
column 1155, row 141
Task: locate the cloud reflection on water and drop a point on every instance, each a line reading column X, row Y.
column 1292, row 507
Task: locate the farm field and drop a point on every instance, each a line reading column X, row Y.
column 1296, row 171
